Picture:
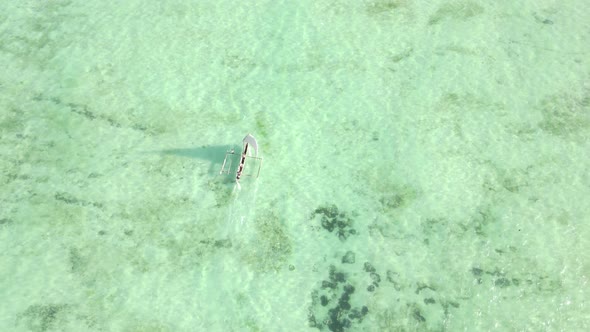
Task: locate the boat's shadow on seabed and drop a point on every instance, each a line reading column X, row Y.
column 212, row 153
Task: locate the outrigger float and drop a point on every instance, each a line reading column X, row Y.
column 249, row 153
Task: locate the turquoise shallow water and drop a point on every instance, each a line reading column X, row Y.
column 425, row 166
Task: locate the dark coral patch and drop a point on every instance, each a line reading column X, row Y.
column 336, row 294
column 335, row 221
